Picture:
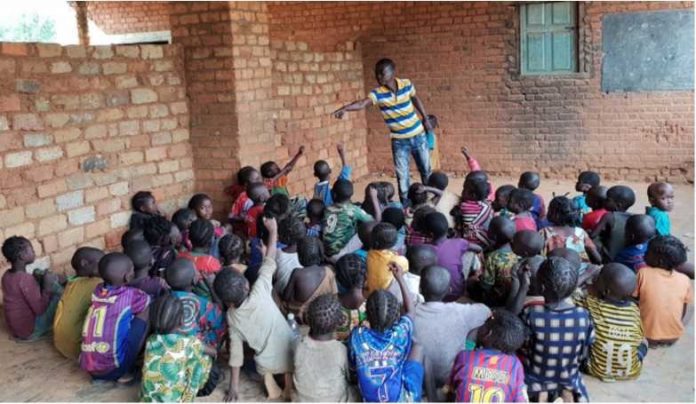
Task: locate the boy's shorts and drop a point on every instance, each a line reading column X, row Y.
column 412, row 379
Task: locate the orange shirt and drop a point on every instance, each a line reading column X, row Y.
column 662, row 295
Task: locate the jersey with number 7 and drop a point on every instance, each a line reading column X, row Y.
column 107, row 325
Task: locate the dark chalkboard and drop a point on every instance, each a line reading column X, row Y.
column 648, row 51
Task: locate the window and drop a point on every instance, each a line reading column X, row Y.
column 549, row 38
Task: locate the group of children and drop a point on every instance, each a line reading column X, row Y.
column 480, row 296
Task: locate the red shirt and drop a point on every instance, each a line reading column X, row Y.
column 525, row 223
column 23, row 301
column 250, row 220
column 592, row 219
column 204, row 263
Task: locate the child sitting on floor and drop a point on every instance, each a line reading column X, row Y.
column 163, row 237
column 315, row 213
column 259, row 195
column 530, row 181
column 253, row 317
column 350, row 281
column 563, row 231
column 75, row 301
column 437, row 322
column 499, row 263
column 639, row 230
column 203, row 206
column 447, row 201
column 290, row 231
column 242, row 203
column 389, row 193
column 131, row 235
column 379, row 276
column 502, row 200
column 418, row 198
column 586, row 181
column 182, row 219
column 140, row 253
column 475, row 167
column 177, row 366
column 206, row 265
column 619, row 346
column 116, row 324
column 322, row 170
column 321, row 362
column 527, row 245
column 395, row 216
column 365, row 237
column 203, row 317
column 144, row 208
column 341, row 218
column 611, row 230
column 596, row 199
column 451, row 254
column 492, row 372
column 275, row 179
column 553, row 373
column 474, row 212
column 29, row 305
column 417, row 232
column 519, row 205
column 394, row 374
column 663, row 293
column 661, row 198
column 310, row 280
column 231, row 250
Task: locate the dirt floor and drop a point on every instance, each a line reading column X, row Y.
column 668, row 374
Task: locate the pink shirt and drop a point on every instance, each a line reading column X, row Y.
column 23, row 301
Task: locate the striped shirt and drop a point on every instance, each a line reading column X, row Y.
column 618, row 350
column 397, row 109
column 488, row 376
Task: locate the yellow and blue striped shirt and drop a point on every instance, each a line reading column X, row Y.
column 398, row 110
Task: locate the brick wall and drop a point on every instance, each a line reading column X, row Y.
column 462, row 58
column 309, row 84
column 63, row 107
column 121, row 17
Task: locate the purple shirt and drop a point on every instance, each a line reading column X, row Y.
column 152, row 285
column 449, row 255
column 106, row 328
column 23, row 301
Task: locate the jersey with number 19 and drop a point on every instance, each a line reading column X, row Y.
column 106, row 327
column 488, row 376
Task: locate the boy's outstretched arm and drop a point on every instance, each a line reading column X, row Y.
column 470, row 160
column 272, row 227
column 353, row 106
column 291, row 164
column 341, row 154
column 421, row 108
column 405, row 294
column 375, row 204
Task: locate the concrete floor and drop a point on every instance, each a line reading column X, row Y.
column 668, row 374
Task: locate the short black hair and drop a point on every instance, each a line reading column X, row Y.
column 201, row 233
column 505, row 332
column 419, row 257
column 570, row 255
column 439, row 180
column 310, row 251
column 665, row 252
column 367, row 205
column 291, row 230
column 324, row 315
column 268, row 169
column 183, row 218
column 255, row 191
column 231, row 286
column 277, row 206
column 436, row 224
column 384, row 236
column 501, row 230
column 476, row 175
column 231, row 248
column 419, row 222
column 157, row 230
column 342, row 190
column 166, row 315
column 315, row 208
column 81, row 253
column 351, row 272
column 639, row 229
column 140, row 253
column 590, row 178
column 503, row 192
column 140, row 199
column 197, row 200
column 621, row 197
column 365, row 233
column 321, row 169
column 597, row 197
column 558, row 279
column 522, row 198
column 527, row 243
column 13, row 247
column 529, row 180
column 389, row 189
column 417, row 194
column 244, row 174
column 382, row 310
column 435, row 283
column 130, row 236
column 477, row 188
column 383, row 64
column 113, row 267
column 563, row 212
column 394, row 216
column 180, row 274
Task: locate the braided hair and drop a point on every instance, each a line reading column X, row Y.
column 156, row 231
column 231, row 248
column 324, row 315
column 351, row 272
column 166, row 314
column 563, row 212
column 558, row 279
column 382, row 310
column 665, row 252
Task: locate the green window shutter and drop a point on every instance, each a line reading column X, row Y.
column 548, row 38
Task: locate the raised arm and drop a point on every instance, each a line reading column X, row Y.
column 405, row 294
column 341, row 154
column 272, row 227
column 375, row 204
column 353, row 106
column 291, row 164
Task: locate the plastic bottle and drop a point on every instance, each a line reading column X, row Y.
column 294, row 326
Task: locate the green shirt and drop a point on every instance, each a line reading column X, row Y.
column 340, row 225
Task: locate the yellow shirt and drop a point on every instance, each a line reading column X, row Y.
column 70, row 315
column 378, row 274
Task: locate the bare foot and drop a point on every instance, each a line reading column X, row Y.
column 274, row 391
